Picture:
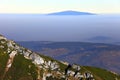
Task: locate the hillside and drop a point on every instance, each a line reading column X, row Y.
column 90, row 54
column 100, row 39
column 18, row 63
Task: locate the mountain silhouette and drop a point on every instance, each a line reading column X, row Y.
column 71, row 13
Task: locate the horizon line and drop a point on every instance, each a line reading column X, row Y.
column 50, row 12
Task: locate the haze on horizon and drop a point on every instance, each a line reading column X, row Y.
column 23, row 27
column 59, row 28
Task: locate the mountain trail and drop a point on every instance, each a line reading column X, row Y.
column 9, row 62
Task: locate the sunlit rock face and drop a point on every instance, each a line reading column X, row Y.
column 2, row 38
column 36, row 59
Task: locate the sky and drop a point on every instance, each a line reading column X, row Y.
column 22, row 27
column 49, row 6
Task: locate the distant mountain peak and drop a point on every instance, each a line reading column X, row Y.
column 70, row 12
column 100, row 38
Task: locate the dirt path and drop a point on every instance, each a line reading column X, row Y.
column 38, row 71
column 9, row 62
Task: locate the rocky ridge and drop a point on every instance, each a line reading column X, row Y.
column 45, row 68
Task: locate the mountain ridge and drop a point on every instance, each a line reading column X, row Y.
column 70, row 12
column 19, row 63
column 84, row 53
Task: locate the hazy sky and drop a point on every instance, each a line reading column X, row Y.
column 21, row 27
column 48, row 6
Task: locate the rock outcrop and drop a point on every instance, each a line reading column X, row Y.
column 45, row 68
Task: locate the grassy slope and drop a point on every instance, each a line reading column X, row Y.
column 3, row 61
column 101, row 74
column 3, row 58
column 21, row 69
column 24, row 69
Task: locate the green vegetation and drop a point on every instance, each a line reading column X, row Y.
column 24, row 69
column 62, row 66
column 47, row 58
column 21, row 69
column 101, row 74
column 3, row 61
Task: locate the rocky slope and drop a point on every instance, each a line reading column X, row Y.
column 18, row 63
column 101, row 55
